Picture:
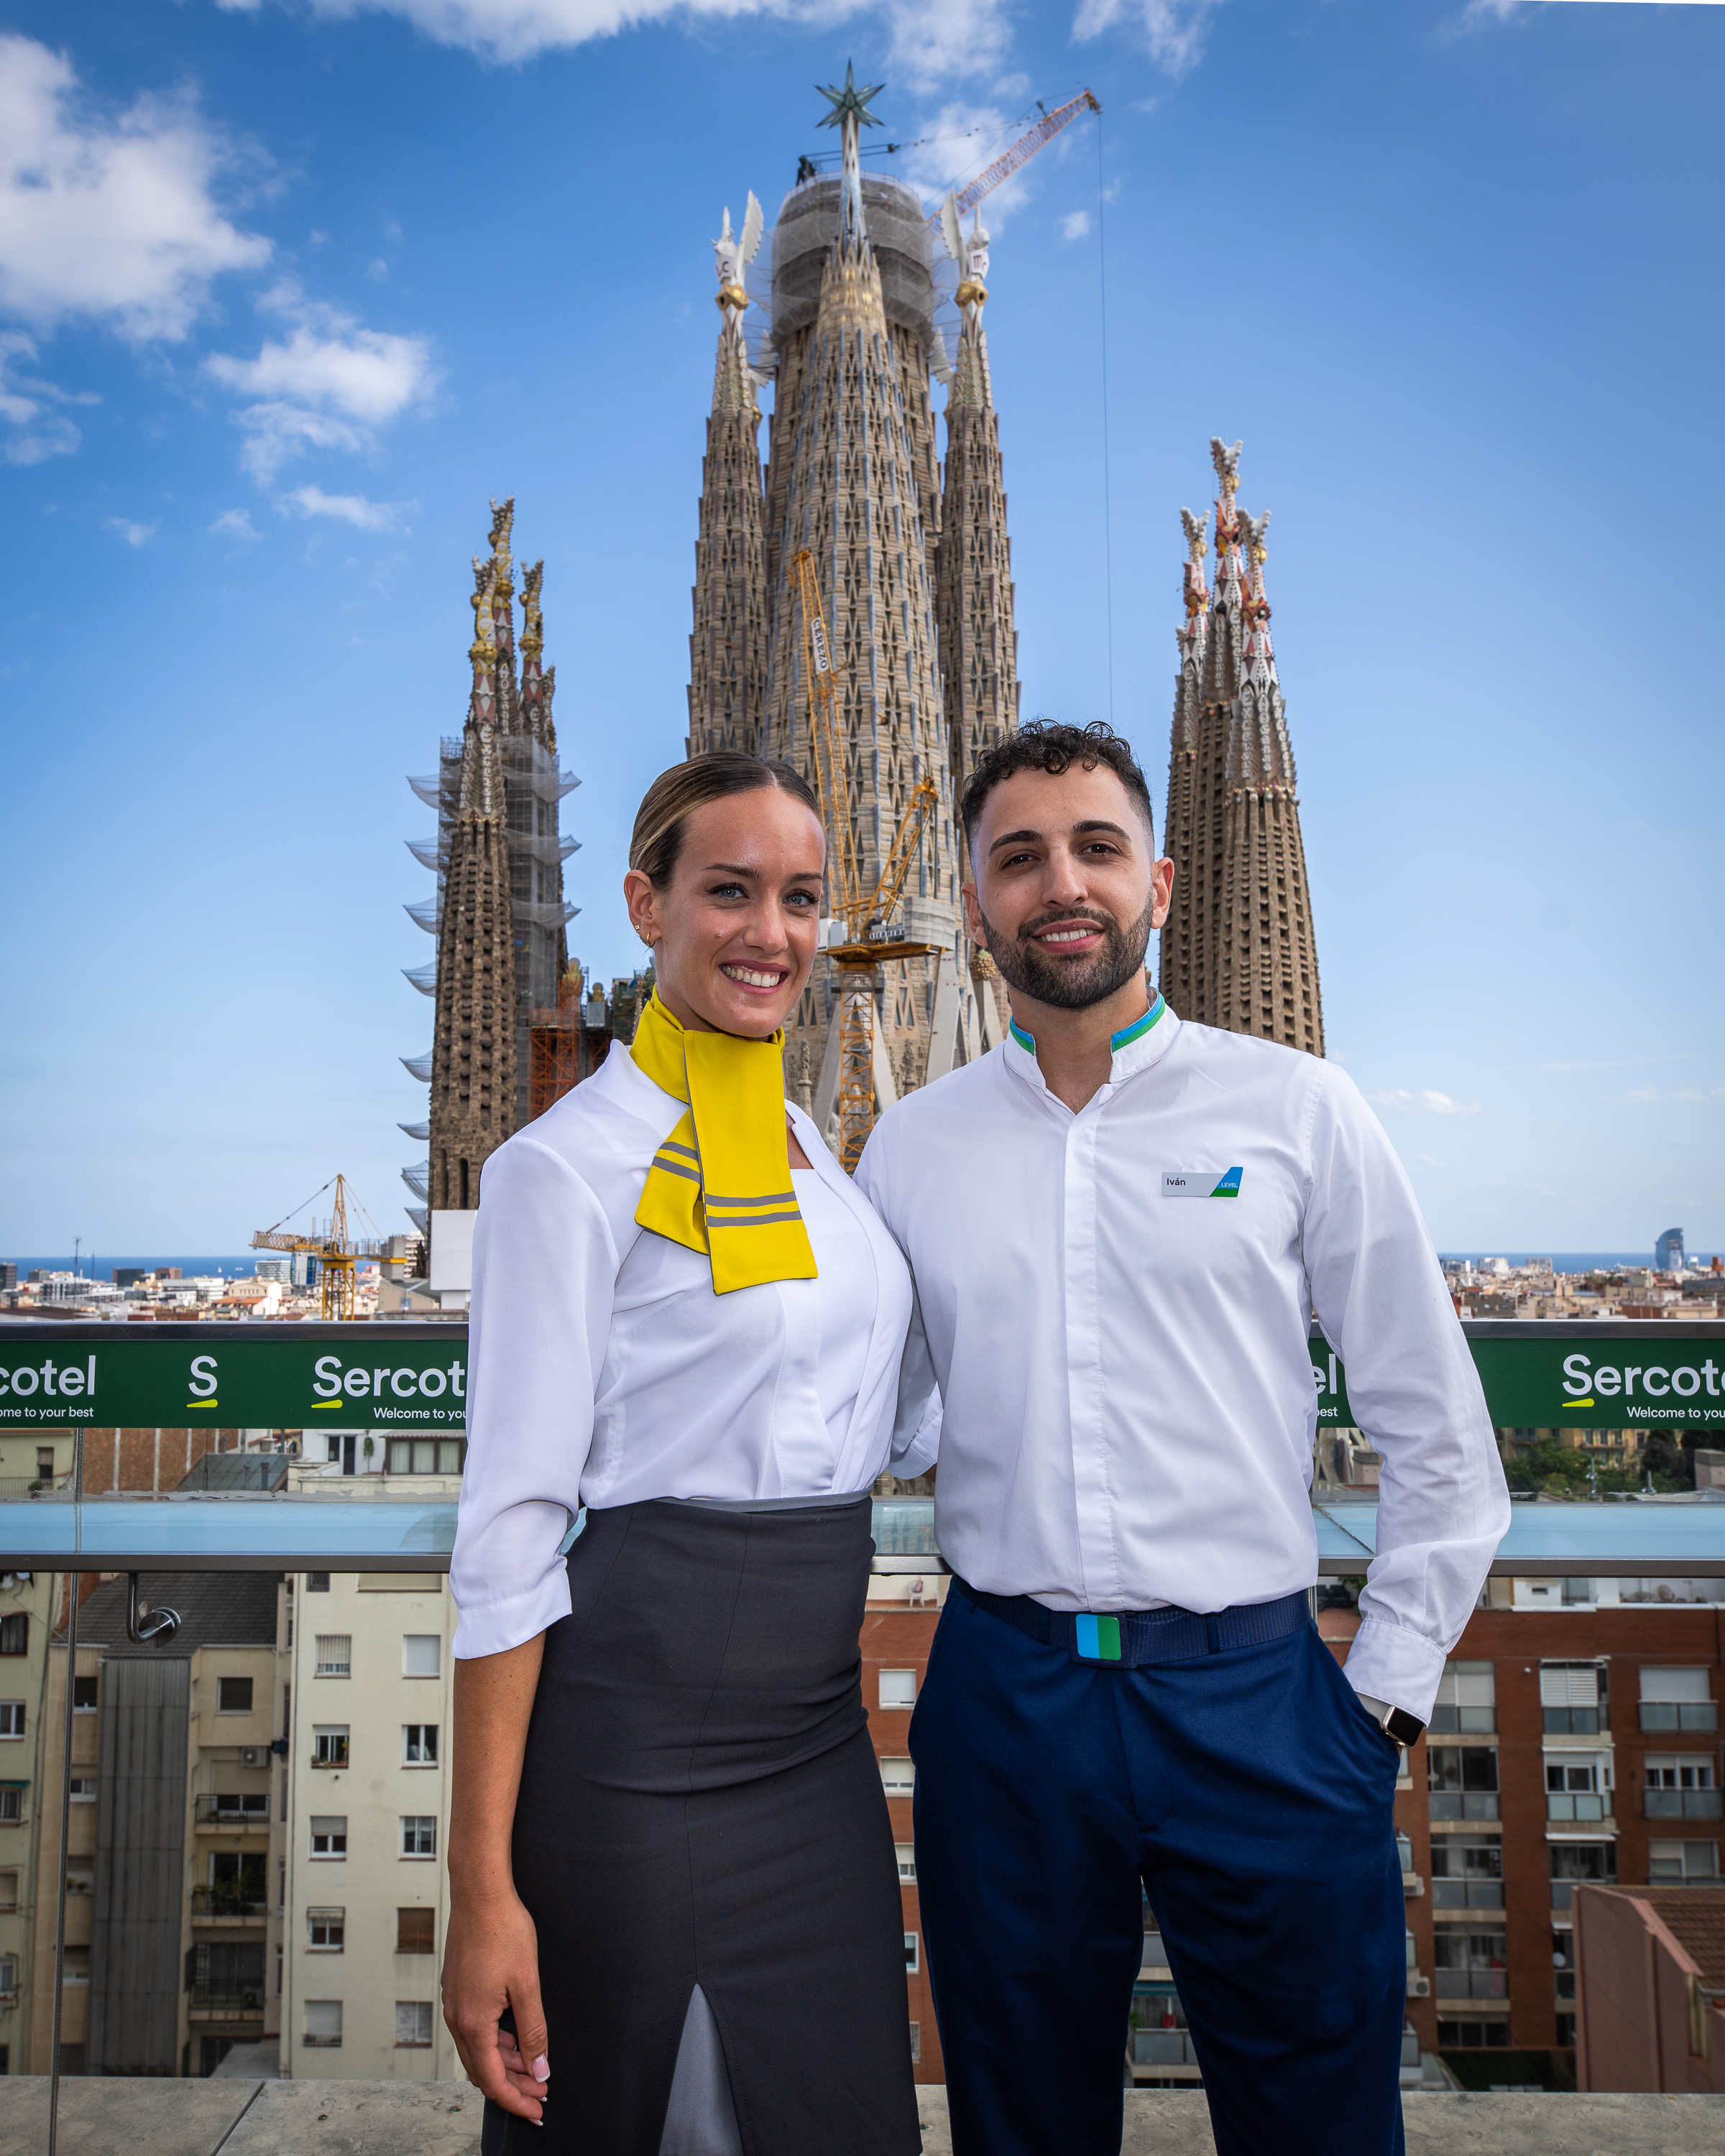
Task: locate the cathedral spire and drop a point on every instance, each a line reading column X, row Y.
column 979, row 642
column 536, row 685
column 850, row 115
column 727, row 649
column 1178, row 969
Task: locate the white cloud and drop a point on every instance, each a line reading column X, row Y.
column 1424, row 1102
column 237, row 524
column 326, row 386
column 1172, row 31
column 930, row 41
column 135, row 535
column 112, row 217
column 348, row 508
column 35, row 409
column 957, row 144
column 1075, row 224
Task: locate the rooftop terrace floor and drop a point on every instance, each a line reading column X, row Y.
column 442, row 2118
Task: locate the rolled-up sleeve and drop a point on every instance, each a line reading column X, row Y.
column 1378, row 1293
column 544, row 1273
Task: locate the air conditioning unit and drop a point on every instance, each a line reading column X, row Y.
column 254, row 1755
column 1419, row 1987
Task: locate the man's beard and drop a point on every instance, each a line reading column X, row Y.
column 1063, row 985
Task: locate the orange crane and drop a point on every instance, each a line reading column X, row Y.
column 336, row 1252
column 1020, row 153
column 868, row 940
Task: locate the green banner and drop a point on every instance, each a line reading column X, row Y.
column 276, row 1382
column 1563, row 1383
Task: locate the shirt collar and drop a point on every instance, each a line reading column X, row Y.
column 1134, row 1048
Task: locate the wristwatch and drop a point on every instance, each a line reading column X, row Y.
column 1399, row 1726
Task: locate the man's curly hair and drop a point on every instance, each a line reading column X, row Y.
column 1050, row 746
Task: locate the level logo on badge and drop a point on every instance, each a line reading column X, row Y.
column 1200, row 1182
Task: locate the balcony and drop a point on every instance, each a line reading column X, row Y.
column 1576, row 1806
column 228, row 1998
column 1466, row 1894
column 229, row 1812
column 1163, row 2047
column 1680, row 1804
column 1662, row 1715
column 1464, row 1804
column 1471, row 1982
column 1562, row 1890
column 215, row 1905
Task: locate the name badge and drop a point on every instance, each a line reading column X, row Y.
column 1200, row 1182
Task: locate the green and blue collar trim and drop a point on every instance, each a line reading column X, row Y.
column 1124, row 1038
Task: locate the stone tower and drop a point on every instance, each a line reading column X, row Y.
column 473, row 1055
column 1241, row 953
column 979, row 644
column 499, row 916
column 852, row 477
column 727, row 650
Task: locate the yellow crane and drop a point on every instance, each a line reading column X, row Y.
column 336, row 1252
column 868, row 940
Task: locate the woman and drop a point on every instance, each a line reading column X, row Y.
column 668, row 1824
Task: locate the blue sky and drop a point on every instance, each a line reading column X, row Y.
column 287, row 292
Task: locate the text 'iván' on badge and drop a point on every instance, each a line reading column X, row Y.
column 1200, row 1182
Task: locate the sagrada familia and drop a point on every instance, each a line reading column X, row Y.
column 913, row 562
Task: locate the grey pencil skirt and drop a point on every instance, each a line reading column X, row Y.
column 701, row 1806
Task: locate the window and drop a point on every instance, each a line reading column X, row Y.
column 329, row 1835
column 12, row 1717
column 233, row 1695
column 326, row 1930
column 1572, row 1697
column 8, row 1890
column 418, row 1835
column 84, row 1695
column 416, row 1931
column 11, row 1806
column 317, row 1582
column 1565, row 1774
column 426, row 1456
column 1676, row 1699
column 906, row 1853
column 898, row 1687
column 334, row 1653
column 15, row 1634
column 83, row 1789
column 1469, row 1964
column 912, row 1958
column 1576, row 1591
column 1466, row 1701
column 1678, row 1770
column 898, row 1777
column 329, row 1744
column 1580, row 1864
column 1473, row 2035
column 413, row 2025
column 916, row 2043
column 1462, row 1779
column 44, row 1463
column 9, row 1976
column 1682, row 1863
column 418, row 1743
column 1466, row 1871
column 421, row 1654
column 323, row 2024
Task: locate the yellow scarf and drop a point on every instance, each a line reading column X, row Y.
column 733, row 1134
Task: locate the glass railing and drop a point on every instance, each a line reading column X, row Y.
column 1471, row 1982
column 1575, row 1807
column 1163, row 2047
column 1680, row 1804
column 1468, row 1893
column 1696, row 1715
column 1464, row 1804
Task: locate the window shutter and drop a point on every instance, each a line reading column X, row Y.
column 1568, row 1684
column 1673, row 1686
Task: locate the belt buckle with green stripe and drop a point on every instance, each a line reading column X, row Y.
column 1097, row 1638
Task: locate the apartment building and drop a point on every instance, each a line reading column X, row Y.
column 365, row 1890
column 169, row 1928
column 27, row 1891
column 898, row 1631
column 1575, row 1741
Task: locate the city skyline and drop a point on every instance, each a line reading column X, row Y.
column 247, row 452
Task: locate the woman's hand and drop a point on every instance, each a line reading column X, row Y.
column 491, row 1965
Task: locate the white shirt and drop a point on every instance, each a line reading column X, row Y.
column 605, row 1370
column 1129, row 1404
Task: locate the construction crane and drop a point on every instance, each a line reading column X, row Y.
column 336, row 1252
column 1020, row 153
column 867, row 941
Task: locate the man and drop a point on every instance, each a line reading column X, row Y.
column 1122, row 1226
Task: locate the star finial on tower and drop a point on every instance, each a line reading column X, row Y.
column 850, row 103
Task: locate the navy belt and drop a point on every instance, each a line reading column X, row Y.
column 1129, row 1639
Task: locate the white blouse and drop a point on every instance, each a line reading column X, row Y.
column 604, row 1370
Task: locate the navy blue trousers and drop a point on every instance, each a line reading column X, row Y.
column 1252, row 1797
